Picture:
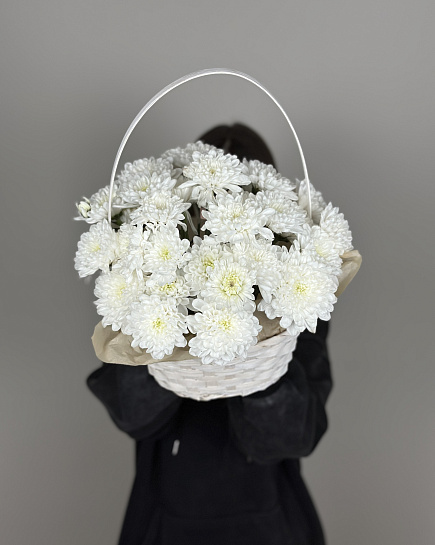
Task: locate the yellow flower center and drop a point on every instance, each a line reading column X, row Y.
column 158, row 325
column 120, row 290
column 95, row 247
column 231, row 284
column 165, row 254
column 236, row 212
column 168, row 288
column 300, row 288
column 225, row 324
column 207, row 262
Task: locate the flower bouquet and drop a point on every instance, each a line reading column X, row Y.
column 200, row 256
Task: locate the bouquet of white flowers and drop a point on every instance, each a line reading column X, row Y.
column 196, row 247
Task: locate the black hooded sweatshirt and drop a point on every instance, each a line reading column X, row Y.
column 225, row 471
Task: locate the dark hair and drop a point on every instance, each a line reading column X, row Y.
column 239, row 140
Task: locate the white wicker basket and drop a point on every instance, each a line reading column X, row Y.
column 268, row 360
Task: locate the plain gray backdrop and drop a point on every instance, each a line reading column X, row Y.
column 357, row 79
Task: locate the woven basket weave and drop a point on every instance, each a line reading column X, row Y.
column 268, row 360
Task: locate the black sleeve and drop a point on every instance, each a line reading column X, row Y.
column 287, row 419
column 136, row 403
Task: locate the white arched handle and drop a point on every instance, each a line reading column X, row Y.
column 185, row 79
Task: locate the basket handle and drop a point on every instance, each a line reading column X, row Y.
column 181, row 81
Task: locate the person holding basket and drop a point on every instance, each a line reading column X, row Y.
column 226, row 470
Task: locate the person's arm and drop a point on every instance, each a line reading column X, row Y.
column 287, row 419
column 136, row 403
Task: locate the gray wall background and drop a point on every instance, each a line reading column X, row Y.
column 357, row 79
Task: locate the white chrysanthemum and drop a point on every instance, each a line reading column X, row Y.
column 115, row 293
column 317, row 201
column 260, row 256
column 265, row 178
column 178, row 290
column 83, row 208
column 131, row 249
column 230, row 284
column 237, row 217
column 96, row 249
column 166, row 253
column 202, row 257
column 145, row 167
column 222, row 334
column 306, row 292
column 321, row 246
column 288, row 217
column 181, row 157
column 144, row 177
column 160, row 207
column 333, row 223
column 211, row 174
column 96, row 208
column 156, row 325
